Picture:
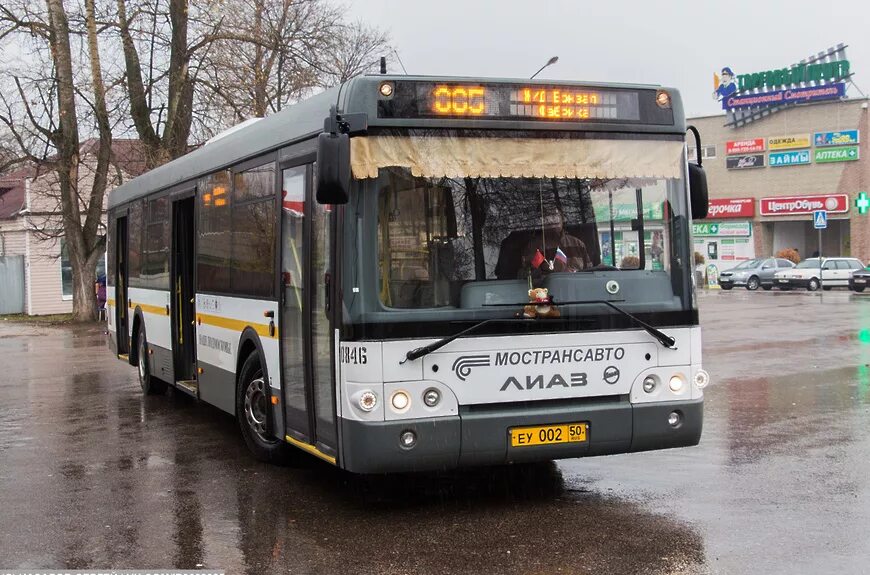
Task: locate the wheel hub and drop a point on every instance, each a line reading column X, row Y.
column 255, row 406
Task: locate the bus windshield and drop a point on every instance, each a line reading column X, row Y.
column 455, row 235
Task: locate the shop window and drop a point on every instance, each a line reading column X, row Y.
column 707, row 153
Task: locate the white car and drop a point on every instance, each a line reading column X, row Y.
column 835, row 273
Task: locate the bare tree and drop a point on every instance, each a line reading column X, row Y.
column 52, row 105
column 282, row 50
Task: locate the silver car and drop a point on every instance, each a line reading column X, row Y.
column 753, row 273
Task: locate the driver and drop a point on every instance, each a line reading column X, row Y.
column 566, row 253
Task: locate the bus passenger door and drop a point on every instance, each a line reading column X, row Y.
column 182, row 294
column 122, row 328
column 306, row 333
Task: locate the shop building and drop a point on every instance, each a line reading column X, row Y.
column 768, row 176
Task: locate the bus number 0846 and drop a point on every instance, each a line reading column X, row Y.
column 354, row 355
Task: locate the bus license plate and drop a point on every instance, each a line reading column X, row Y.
column 548, row 434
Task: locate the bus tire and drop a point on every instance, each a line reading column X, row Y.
column 150, row 385
column 252, row 411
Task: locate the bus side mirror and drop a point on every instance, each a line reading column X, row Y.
column 333, row 168
column 698, row 192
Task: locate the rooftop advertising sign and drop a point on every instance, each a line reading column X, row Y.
column 798, row 205
column 784, row 85
column 822, row 76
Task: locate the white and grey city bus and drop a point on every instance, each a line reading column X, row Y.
column 413, row 273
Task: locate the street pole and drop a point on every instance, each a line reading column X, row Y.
column 821, row 281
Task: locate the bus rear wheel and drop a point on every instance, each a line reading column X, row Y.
column 150, row 385
column 252, row 411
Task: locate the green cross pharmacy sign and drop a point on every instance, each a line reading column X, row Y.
column 862, row 203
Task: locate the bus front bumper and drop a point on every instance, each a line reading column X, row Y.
column 481, row 435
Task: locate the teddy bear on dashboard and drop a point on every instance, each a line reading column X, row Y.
column 540, row 305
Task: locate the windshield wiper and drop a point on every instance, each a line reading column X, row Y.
column 419, row 352
column 661, row 337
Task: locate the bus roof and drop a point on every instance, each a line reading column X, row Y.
column 359, row 95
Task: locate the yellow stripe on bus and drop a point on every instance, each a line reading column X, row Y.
column 235, row 324
column 155, row 309
column 310, row 449
column 110, row 303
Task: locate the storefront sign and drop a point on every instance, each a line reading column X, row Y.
column 844, row 138
column 744, row 162
column 796, row 205
column 731, row 208
column 841, row 154
column 779, row 159
column 789, row 142
column 732, row 229
column 627, row 212
column 744, row 146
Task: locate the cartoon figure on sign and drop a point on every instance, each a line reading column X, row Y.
column 724, row 86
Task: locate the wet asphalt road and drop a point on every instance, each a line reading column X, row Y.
column 92, row 474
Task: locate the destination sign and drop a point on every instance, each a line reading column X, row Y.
column 559, row 103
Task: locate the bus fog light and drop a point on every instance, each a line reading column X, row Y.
column 367, row 400
column 675, row 419
column 407, row 439
column 649, row 384
column 400, row 401
column 702, row 378
column 431, row 397
column 676, row 384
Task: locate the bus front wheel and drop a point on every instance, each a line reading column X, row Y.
column 252, row 411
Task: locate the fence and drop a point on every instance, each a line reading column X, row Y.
column 11, row 284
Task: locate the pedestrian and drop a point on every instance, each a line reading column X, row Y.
column 100, row 290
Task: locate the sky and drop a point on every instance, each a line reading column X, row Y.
column 676, row 44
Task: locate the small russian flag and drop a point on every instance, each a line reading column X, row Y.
column 561, row 257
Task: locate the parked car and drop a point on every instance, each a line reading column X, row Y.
column 859, row 279
column 754, row 273
column 835, row 273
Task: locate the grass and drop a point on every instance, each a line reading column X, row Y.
column 52, row 319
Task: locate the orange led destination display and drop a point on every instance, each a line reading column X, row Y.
column 557, row 103
column 527, row 102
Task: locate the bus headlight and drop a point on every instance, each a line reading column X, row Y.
column 400, row 401
column 702, row 378
column 431, row 397
column 676, row 383
column 367, row 400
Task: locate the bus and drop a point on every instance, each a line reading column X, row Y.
column 409, row 273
